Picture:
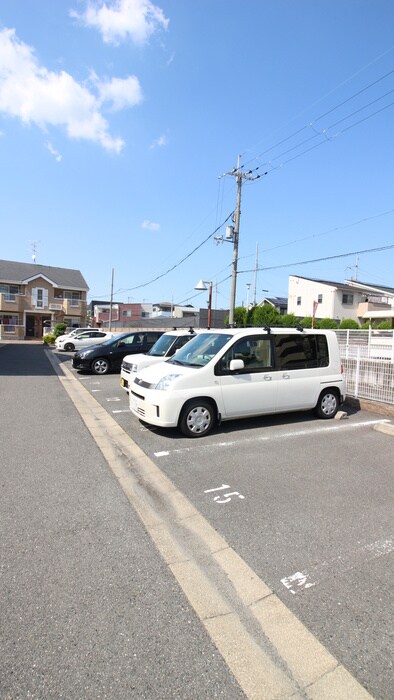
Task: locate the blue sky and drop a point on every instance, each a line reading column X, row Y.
column 118, row 120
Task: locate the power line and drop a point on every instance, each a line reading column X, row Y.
column 324, row 259
column 321, row 116
column 163, row 274
column 297, row 240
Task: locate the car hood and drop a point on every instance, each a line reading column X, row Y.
column 157, row 371
column 100, row 347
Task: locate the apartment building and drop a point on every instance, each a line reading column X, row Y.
column 35, row 297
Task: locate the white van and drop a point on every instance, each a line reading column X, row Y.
column 237, row 373
column 166, row 346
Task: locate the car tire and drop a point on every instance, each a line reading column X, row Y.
column 69, row 347
column 328, row 403
column 100, row 366
column 197, row 418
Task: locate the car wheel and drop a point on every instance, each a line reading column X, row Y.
column 328, row 403
column 69, row 346
column 100, row 366
column 197, row 418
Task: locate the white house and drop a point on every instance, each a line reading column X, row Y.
column 351, row 299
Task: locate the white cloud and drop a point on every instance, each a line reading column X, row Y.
column 121, row 92
column 54, row 152
column 121, row 20
column 150, row 225
column 35, row 95
column 160, row 142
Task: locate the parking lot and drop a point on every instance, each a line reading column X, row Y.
column 307, row 503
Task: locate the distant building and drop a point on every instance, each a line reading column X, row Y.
column 279, row 303
column 351, row 299
column 34, row 298
column 131, row 315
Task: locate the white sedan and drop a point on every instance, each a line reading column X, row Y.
column 72, row 334
column 84, row 340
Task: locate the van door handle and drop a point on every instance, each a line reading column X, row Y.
column 285, row 376
column 267, row 378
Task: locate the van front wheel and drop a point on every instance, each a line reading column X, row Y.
column 197, row 418
column 328, row 403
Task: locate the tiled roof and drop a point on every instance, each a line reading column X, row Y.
column 19, row 273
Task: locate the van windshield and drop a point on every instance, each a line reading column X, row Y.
column 162, row 345
column 200, row 350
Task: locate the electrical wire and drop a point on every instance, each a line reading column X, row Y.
column 324, row 259
column 163, row 274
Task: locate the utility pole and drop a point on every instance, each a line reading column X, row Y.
column 240, row 176
column 110, row 303
column 255, row 276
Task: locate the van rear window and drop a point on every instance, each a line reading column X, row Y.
column 301, row 351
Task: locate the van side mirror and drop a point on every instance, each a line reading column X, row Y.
column 236, row 364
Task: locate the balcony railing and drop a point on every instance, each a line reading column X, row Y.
column 11, row 331
column 11, row 302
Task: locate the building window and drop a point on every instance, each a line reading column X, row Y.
column 347, row 298
column 10, row 291
column 298, row 301
column 39, row 297
column 320, row 298
column 9, row 322
column 73, row 297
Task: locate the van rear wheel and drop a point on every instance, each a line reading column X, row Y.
column 327, row 405
column 197, row 418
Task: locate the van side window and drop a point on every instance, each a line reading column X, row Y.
column 301, row 351
column 256, row 353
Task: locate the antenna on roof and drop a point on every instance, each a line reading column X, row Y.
column 34, row 250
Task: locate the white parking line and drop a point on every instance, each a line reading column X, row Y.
column 113, row 398
column 279, row 436
column 123, row 410
column 303, row 580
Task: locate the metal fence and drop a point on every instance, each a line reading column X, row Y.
column 368, row 360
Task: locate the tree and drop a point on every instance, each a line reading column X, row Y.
column 59, row 329
column 240, row 315
column 265, row 315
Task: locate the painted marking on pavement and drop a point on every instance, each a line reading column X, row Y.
column 302, row 580
column 225, row 497
column 121, row 410
column 279, row 436
column 113, row 398
column 296, row 582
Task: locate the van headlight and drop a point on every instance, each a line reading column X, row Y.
column 165, row 383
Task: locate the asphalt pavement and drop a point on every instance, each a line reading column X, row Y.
column 295, row 513
column 89, row 610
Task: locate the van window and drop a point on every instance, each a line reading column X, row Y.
column 255, row 351
column 301, row 351
column 200, row 350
